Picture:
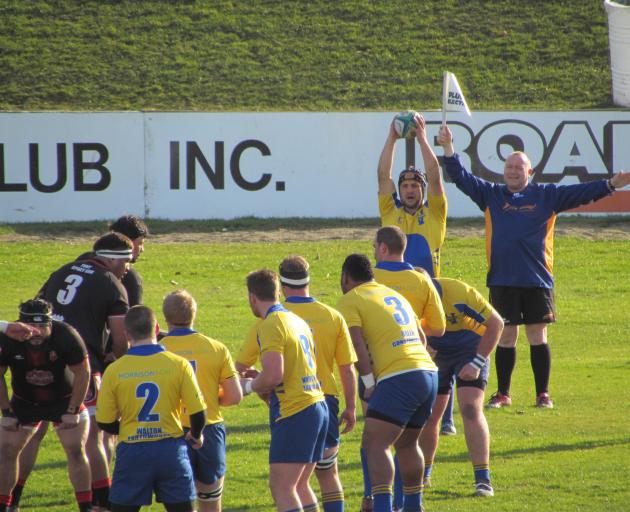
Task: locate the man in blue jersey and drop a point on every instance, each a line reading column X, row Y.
column 520, row 219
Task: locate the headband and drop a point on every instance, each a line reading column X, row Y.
column 295, row 278
column 115, row 254
column 35, row 318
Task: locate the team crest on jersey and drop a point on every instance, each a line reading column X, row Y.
column 53, row 356
column 39, row 377
column 451, row 318
column 421, row 219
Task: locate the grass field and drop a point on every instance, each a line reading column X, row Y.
column 574, row 457
column 307, row 56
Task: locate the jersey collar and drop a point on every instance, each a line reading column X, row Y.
column 275, row 308
column 299, row 300
column 181, row 331
column 394, row 266
column 145, row 350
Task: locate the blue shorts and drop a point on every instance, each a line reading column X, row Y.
column 332, row 435
column 208, row 463
column 160, row 466
column 300, row 437
column 404, row 400
column 450, row 363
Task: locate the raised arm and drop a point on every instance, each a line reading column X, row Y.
column 435, row 186
column 386, row 162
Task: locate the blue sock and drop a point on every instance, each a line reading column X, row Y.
column 398, row 485
column 428, row 469
column 482, row 473
column 382, row 501
column 367, row 486
column 333, row 501
column 413, row 499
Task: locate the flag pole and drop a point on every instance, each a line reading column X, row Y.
column 444, row 97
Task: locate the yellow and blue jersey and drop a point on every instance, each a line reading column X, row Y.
column 331, row 337
column 211, row 362
column 145, row 390
column 416, row 288
column 390, row 329
column 425, row 230
column 520, row 225
column 287, row 334
column 330, row 334
column 466, row 311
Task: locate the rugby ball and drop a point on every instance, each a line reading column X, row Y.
column 404, row 125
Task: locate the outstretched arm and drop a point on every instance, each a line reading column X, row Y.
column 431, row 164
column 620, row 179
column 386, row 162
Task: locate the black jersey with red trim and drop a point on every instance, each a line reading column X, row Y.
column 85, row 294
column 39, row 373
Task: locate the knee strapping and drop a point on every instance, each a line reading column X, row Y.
column 327, row 462
column 211, row 495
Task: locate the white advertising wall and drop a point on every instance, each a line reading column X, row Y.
column 84, row 166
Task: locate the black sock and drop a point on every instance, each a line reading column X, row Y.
column 505, row 360
column 16, row 493
column 540, row 357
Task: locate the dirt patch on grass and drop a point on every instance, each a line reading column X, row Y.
column 589, row 229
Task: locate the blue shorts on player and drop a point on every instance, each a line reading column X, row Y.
column 450, row 363
column 332, row 434
column 161, row 466
column 208, row 462
column 299, row 438
column 405, row 399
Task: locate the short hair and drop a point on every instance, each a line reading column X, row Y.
column 115, row 244
column 131, row 226
column 179, row 308
column 264, row 284
column 393, row 238
column 36, row 311
column 358, row 268
column 140, row 322
column 294, row 272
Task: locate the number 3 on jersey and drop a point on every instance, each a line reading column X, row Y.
column 150, row 392
column 401, row 316
column 66, row 295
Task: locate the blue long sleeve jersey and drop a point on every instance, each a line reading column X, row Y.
column 520, row 225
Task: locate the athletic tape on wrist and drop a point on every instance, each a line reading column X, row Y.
column 368, row 380
column 248, row 387
column 3, row 325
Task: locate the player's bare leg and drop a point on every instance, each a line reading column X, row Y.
column 73, row 441
column 98, row 462
column 283, row 479
column 305, row 492
column 328, row 477
column 209, row 496
column 27, row 460
column 12, row 442
column 411, row 465
column 378, row 436
column 109, row 445
column 430, row 435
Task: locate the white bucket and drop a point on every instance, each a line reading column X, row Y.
column 619, row 40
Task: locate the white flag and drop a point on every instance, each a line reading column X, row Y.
column 452, row 96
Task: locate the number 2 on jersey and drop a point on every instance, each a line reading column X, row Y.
column 150, row 392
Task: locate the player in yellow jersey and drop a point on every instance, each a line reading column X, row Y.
column 140, row 401
column 473, row 329
column 420, row 207
column 217, row 378
column 399, row 376
column 392, row 271
column 298, row 415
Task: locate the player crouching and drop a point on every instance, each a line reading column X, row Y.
column 43, row 390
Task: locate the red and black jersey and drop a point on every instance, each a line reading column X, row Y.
column 39, row 373
column 85, row 294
